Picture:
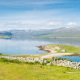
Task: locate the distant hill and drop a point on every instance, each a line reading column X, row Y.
column 5, row 35
column 28, row 34
column 72, row 32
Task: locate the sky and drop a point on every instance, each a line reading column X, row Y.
column 39, row 14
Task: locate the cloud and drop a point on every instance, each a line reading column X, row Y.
column 54, row 22
column 25, row 25
column 35, row 14
column 72, row 24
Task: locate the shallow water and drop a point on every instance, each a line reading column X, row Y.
column 21, row 46
column 72, row 58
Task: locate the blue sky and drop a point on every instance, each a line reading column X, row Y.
column 39, row 14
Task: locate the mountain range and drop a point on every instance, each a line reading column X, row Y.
column 72, row 32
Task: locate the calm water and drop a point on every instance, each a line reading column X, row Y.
column 20, row 47
column 30, row 46
column 72, row 58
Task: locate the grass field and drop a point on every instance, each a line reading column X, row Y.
column 24, row 71
column 67, row 48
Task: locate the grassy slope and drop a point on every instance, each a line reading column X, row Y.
column 4, row 37
column 14, row 71
column 68, row 48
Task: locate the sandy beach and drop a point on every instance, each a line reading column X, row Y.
column 52, row 52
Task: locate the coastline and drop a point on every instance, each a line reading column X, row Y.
column 52, row 57
column 53, row 53
column 50, row 51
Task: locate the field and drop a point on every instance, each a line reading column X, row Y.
column 15, row 70
column 67, row 48
column 25, row 71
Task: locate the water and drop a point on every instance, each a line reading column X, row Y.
column 72, row 58
column 21, row 46
column 9, row 46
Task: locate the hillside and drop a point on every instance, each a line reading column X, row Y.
column 24, row 71
column 63, row 33
column 73, row 32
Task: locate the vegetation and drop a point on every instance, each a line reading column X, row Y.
column 9, row 61
column 23, row 71
column 16, row 70
column 5, row 37
column 67, row 48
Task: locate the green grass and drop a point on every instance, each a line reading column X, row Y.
column 4, row 37
column 67, row 48
column 23, row 71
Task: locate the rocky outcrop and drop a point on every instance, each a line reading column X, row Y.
column 67, row 63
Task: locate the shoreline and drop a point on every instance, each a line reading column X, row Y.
column 49, row 52
column 51, row 58
column 53, row 53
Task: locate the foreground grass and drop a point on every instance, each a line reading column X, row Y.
column 24, row 71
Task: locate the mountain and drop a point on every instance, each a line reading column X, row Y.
column 5, row 34
column 28, row 34
column 72, row 32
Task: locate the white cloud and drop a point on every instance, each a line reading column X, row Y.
column 54, row 23
column 72, row 24
column 25, row 25
column 7, row 25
